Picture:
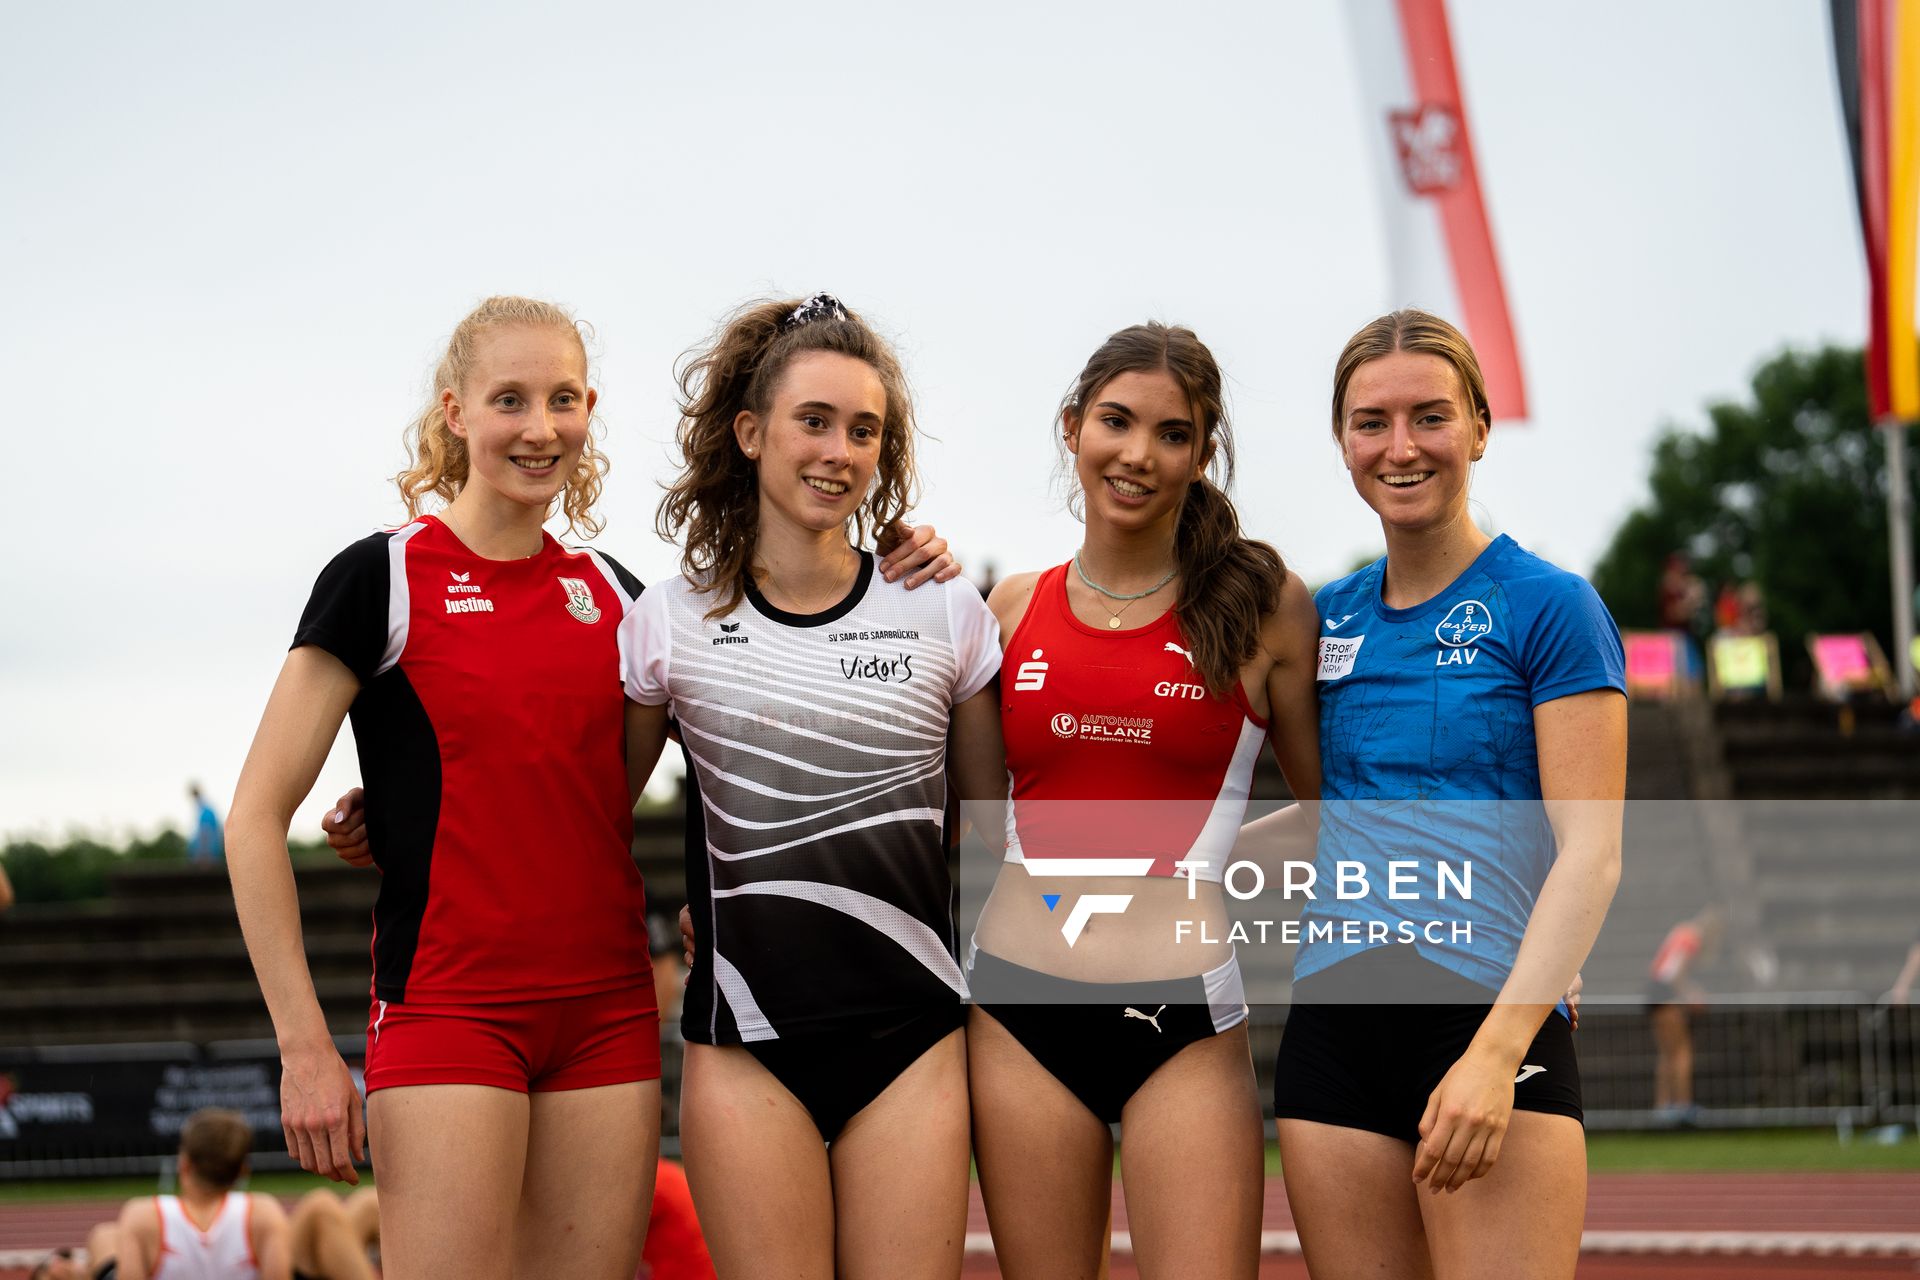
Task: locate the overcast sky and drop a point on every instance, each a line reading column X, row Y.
column 234, row 237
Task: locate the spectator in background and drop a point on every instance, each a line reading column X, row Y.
column 1673, row 998
column 1727, row 611
column 6, row 889
column 208, row 843
column 1683, row 606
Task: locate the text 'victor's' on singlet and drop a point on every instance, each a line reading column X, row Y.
column 491, row 729
column 1116, row 748
column 816, row 743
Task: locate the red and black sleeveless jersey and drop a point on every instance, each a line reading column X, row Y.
column 1116, row 750
column 491, row 727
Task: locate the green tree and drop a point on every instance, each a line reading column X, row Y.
column 1789, row 490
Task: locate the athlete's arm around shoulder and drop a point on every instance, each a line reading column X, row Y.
column 271, row 1237
column 320, row 1109
column 1290, row 638
column 1009, row 600
column 138, row 1239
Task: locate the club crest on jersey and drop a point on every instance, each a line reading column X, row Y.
column 580, row 600
column 1466, row 622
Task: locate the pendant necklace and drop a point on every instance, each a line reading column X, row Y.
column 1113, row 617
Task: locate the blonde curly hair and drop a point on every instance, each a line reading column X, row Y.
column 440, row 457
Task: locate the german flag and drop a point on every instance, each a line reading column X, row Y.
column 1876, row 48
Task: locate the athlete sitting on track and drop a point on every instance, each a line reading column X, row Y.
column 208, row 1231
column 1142, row 680
column 1457, row 671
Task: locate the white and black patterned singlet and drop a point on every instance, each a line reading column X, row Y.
column 816, row 747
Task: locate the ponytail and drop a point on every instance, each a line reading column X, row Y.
column 1229, row 584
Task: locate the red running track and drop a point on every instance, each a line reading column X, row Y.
column 1758, row 1202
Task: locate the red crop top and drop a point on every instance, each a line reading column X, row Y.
column 1120, row 758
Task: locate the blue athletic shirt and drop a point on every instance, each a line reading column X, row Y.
column 1428, row 755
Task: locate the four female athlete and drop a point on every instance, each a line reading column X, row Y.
column 827, row 1078
column 1473, row 741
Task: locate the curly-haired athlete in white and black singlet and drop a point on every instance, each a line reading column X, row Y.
column 823, row 1113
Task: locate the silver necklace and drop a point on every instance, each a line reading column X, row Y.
column 1113, row 618
column 836, row 594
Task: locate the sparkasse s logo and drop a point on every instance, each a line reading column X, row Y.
column 1031, row 676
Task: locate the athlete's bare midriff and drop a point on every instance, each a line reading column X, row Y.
column 1140, row 943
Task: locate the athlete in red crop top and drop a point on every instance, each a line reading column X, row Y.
column 1139, row 681
column 1122, row 717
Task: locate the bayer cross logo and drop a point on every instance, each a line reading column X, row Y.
column 1065, row 725
column 1466, row 622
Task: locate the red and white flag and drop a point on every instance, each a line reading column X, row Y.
column 1439, row 241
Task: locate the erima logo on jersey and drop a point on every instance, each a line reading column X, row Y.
column 462, row 584
column 470, row 606
column 1031, row 675
column 730, row 638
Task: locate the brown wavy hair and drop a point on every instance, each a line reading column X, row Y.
column 440, row 457
column 1229, row 583
column 715, row 500
column 1410, row 329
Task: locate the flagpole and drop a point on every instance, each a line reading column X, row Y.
column 1900, row 551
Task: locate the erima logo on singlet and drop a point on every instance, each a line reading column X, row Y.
column 730, row 638
column 1031, row 675
column 462, row 584
column 469, row 606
